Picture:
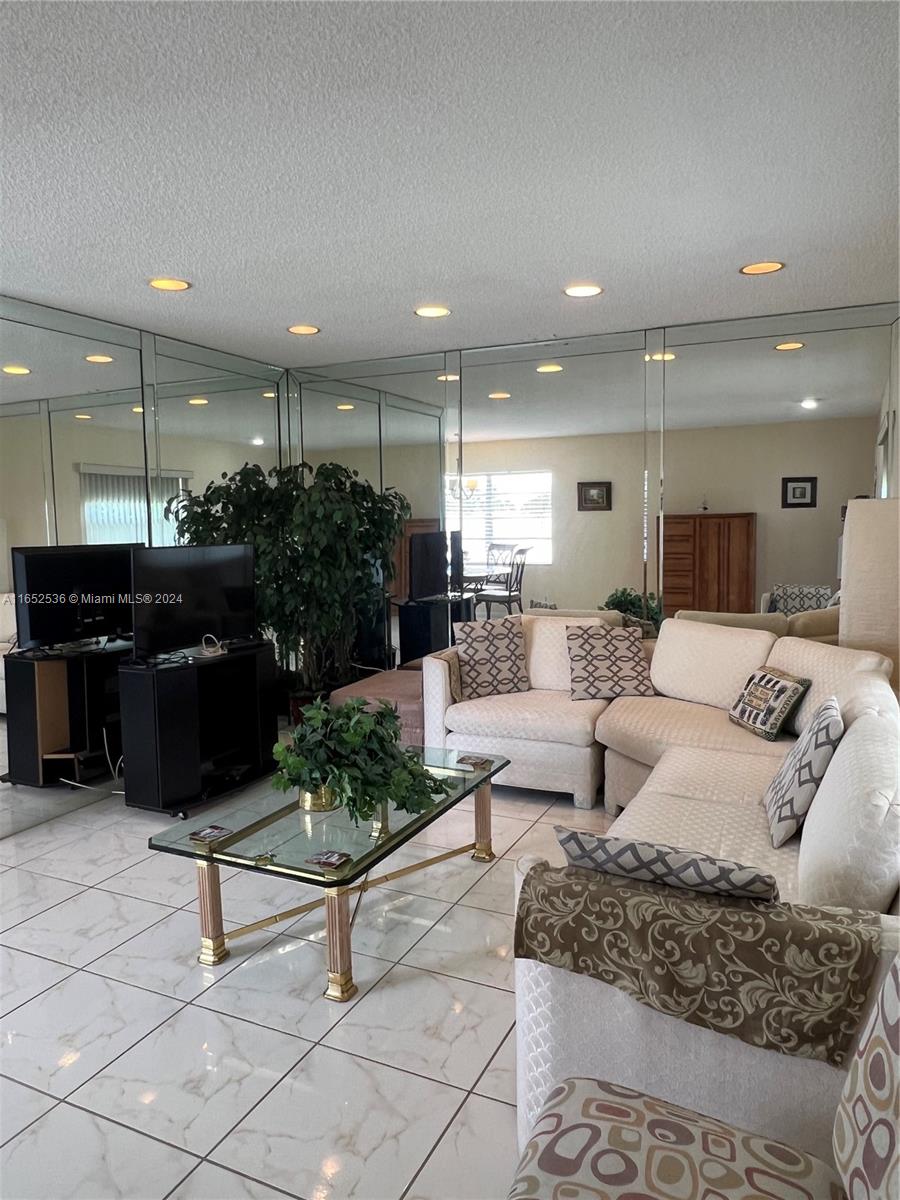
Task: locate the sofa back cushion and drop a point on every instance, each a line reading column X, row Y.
column 850, row 843
column 546, row 650
column 709, row 664
column 834, row 671
column 774, row 622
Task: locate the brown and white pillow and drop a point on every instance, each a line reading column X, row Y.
column 605, row 662
column 792, row 791
column 491, row 657
column 768, row 699
column 649, row 862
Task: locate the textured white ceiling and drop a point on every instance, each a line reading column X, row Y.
column 339, row 163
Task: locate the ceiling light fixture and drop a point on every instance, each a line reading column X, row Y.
column 432, row 310
column 581, row 291
column 790, row 345
column 83, row 417
column 762, row 268
column 662, row 356
column 498, row 395
column 304, row 330
column 257, row 441
column 170, row 285
column 137, row 408
column 447, row 378
column 548, row 368
column 346, row 407
column 809, row 402
column 98, row 358
column 15, row 369
column 269, row 395
column 197, row 401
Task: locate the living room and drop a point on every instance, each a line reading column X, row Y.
column 504, row 426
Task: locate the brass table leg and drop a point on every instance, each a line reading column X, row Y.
column 212, row 933
column 483, row 851
column 337, row 931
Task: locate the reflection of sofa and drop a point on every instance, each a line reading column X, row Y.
column 7, row 639
column 819, row 624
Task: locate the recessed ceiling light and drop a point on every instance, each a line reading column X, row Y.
column 83, row 417
column 170, row 285
column 98, row 358
column 137, row 408
column 809, row 402
column 548, row 368
column 790, row 345
column 269, row 395
column 446, row 378
column 498, row 395
column 432, row 310
column 662, row 356
column 257, row 441
column 15, row 369
column 346, row 407
column 581, row 291
column 198, row 400
column 762, row 268
column 304, row 330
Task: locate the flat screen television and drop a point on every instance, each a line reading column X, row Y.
column 182, row 593
column 69, row 593
column 427, row 565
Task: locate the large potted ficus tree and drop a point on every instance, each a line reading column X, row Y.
column 324, row 540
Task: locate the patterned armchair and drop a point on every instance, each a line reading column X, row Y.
column 596, row 1139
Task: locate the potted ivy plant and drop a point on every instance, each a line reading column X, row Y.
column 324, row 541
column 350, row 755
column 631, row 604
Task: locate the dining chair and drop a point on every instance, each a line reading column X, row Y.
column 507, row 593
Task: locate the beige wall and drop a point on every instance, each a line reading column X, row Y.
column 738, row 469
column 412, row 470
column 22, row 491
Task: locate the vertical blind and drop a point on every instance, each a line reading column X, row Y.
column 503, row 506
column 114, row 505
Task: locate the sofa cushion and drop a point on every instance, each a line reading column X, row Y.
column 834, row 671
column 670, row 866
column 491, row 657
column 714, row 775
column 546, row 654
column 706, row 663
column 850, row 848
column 645, row 727
column 791, row 792
column 766, row 701
column 817, row 623
column 545, row 716
column 606, row 662
column 774, row 622
column 731, row 827
column 596, row 1139
column 790, row 598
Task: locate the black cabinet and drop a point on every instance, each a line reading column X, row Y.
column 197, row 728
column 426, row 625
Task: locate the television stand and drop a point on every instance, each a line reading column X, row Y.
column 196, row 728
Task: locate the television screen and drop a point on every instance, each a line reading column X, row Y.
column 182, row 593
column 456, row 561
column 68, row 593
column 427, row 565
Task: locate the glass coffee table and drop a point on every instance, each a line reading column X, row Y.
column 273, row 835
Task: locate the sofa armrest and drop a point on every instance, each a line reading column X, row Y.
column 815, row 623
column 437, row 696
column 764, row 602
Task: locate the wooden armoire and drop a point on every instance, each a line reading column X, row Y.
column 709, row 562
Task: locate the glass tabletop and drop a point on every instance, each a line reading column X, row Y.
column 268, row 831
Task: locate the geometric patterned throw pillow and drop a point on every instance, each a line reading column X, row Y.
column 768, row 699
column 605, row 662
column 666, row 865
column 791, row 598
column 791, row 792
column 491, row 657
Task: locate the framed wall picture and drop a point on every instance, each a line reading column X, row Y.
column 799, row 491
column 595, row 497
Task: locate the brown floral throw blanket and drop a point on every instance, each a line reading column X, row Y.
column 787, row 977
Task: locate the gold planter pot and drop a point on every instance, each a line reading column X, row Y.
column 322, row 799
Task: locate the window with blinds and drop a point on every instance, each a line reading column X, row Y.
column 114, row 504
column 503, row 506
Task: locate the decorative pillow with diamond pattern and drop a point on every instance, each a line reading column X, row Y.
column 667, row 865
column 768, row 699
column 605, row 662
column 791, row 598
column 791, row 792
column 491, row 657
